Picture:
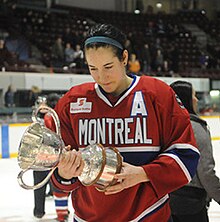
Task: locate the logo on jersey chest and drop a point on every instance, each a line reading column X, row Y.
column 81, row 106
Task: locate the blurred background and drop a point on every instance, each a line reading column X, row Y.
column 41, row 52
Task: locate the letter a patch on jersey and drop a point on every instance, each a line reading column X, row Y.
column 138, row 106
column 81, row 106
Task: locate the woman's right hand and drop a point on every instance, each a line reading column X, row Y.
column 70, row 164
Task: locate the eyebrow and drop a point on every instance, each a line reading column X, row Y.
column 109, row 63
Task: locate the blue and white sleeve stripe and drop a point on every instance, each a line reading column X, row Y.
column 183, row 155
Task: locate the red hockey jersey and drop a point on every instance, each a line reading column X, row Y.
column 150, row 128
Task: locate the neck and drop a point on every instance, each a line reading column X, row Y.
column 126, row 82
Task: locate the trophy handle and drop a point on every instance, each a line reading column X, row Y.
column 53, row 113
column 37, row 186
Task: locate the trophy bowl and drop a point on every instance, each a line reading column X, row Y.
column 39, row 148
column 100, row 166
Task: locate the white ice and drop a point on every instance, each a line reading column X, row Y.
column 16, row 203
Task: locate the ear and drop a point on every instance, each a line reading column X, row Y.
column 125, row 57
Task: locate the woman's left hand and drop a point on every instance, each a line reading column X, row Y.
column 130, row 176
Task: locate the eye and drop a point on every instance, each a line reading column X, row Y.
column 108, row 67
column 93, row 69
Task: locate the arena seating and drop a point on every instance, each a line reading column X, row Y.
column 41, row 26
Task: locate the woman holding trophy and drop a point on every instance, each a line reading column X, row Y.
column 142, row 118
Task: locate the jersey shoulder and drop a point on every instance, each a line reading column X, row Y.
column 154, row 86
column 79, row 91
column 82, row 89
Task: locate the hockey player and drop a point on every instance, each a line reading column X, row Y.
column 142, row 118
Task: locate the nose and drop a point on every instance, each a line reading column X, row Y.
column 103, row 76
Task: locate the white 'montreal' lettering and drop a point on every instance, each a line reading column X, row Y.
column 110, row 122
column 146, row 140
column 83, row 131
column 113, row 131
column 138, row 132
column 119, row 129
column 128, row 130
column 92, row 135
column 101, row 131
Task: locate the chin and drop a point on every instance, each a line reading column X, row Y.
column 108, row 90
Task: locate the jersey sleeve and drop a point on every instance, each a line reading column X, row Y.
column 63, row 184
column 177, row 162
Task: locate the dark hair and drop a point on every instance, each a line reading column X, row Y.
column 110, row 31
column 183, row 90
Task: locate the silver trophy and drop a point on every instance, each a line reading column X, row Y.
column 40, row 150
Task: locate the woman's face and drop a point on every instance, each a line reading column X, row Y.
column 107, row 70
column 194, row 100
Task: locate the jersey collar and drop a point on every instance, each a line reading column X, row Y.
column 101, row 93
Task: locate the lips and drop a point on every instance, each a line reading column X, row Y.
column 106, row 84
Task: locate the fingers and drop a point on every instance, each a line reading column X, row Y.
column 120, row 176
column 67, row 158
column 115, row 188
column 129, row 176
column 80, row 168
column 76, row 161
column 68, row 148
column 70, row 164
column 124, row 164
column 72, row 159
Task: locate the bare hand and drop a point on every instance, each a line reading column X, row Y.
column 129, row 177
column 71, row 164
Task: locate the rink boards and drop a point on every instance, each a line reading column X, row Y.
column 11, row 134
